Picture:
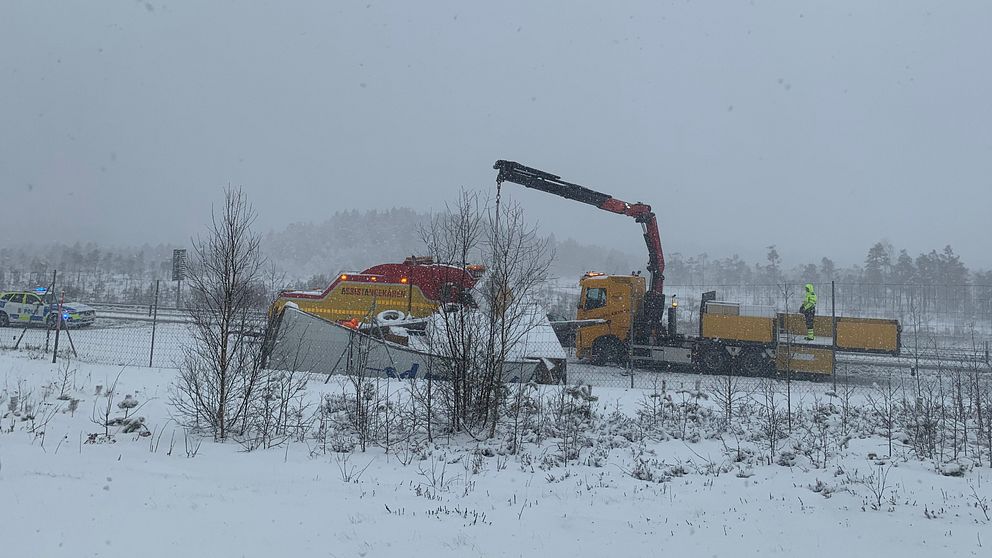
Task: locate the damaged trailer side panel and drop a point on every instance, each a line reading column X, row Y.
column 303, row 342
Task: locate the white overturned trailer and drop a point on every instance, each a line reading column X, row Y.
column 304, row 342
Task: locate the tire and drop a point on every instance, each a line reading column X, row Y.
column 608, row 350
column 50, row 321
column 753, row 362
column 714, row 359
column 390, row 316
column 4, row 320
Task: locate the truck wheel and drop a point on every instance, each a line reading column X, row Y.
column 390, row 316
column 608, row 350
column 4, row 320
column 51, row 321
column 753, row 362
column 714, row 359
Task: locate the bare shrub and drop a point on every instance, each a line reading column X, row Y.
column 524, row 407
column 884, row 402
column 434, row 471
column 687, row 411
column 66, row 380
column 100, row 415
column 981, row 502
column 349, row 471
column 651, row 411
column 771, row 420
column 571, row 414
column 877, row 483
column 281, row 412
column 729, row 392
column 923, row 415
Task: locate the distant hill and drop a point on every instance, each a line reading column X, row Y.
column 354, row 240
column 346, row 241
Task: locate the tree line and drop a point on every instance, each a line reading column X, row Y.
column 307, row 255
column 882, row 265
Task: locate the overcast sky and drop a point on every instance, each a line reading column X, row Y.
column 817, row 126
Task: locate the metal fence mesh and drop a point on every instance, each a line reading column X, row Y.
column 949, row 323
column 114, row 341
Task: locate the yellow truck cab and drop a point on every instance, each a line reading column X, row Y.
column 609, row 303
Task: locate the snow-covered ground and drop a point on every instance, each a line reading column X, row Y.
column 633, row 490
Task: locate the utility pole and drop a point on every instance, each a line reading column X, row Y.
column 178, row 271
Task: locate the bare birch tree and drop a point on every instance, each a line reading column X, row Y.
column 454, row 237
column 476, row 342
column 222, row 366
column 519, row 261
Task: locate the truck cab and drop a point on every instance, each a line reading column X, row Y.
column 609, row 303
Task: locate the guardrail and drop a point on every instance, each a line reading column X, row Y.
column 142, row 312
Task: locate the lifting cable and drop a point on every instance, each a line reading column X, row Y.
column 499, row 294
column 499, row 191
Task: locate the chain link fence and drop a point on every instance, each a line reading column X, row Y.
column 137, row 320
column 113, row 341
column 947, row 324
column 950, row 313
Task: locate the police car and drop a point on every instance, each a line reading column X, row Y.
column 39, row 307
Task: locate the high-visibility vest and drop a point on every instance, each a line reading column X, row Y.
column 810, row 300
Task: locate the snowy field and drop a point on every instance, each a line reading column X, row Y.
column 637, row 485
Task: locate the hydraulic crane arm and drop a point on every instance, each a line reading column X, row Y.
column 510, row 171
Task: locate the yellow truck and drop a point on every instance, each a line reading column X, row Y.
column 626, row 317
column 391, row 291
column 754, row 342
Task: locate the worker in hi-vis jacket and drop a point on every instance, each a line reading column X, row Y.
column 808, row 310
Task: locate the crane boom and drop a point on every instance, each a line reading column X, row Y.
column 510, row 171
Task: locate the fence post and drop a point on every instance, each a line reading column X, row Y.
column 151, row 352
column 48, row 334
column 833, row 334
column 630, row 353
column 58, row 327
